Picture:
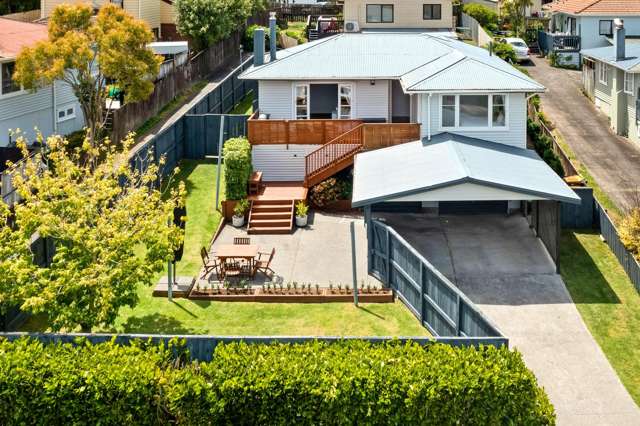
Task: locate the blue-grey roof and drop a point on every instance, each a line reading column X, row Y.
column 448, row 160
column 422, row 62
column 631, row 62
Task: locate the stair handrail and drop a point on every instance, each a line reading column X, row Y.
column 312, row 161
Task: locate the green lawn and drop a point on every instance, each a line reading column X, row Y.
column 299, row 29
column 606, row 299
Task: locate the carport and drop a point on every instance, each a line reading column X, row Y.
column 455, row 174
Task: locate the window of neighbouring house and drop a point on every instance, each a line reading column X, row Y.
column 628, row 83
column 474, row 111
column 379, row 13
column 66, row 113
column 345, row 94
column 603, row 73
column 431, row 12
column 6, row 78
column 302, row 102
column 606, row 27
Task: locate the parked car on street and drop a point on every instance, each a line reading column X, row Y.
column 520, row 46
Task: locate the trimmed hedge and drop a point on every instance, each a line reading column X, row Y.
column 237, row 167
column 312, row 383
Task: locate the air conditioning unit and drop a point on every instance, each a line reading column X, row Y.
column 351, row 27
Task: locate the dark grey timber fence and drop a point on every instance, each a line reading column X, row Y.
column 202, row 347
column 195, row 134
column 439, row 305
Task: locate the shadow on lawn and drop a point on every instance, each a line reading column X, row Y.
column 187, row 167
column 581, row 275
column 156, row 323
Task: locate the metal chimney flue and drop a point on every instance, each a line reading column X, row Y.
column 258, row 47
column 272, row 36
column 618, row 38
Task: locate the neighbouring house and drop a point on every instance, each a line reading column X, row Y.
column 585, row 24
column 52, row 110
column 158, row 14
column 611, row 78
column 397, row 14
column 321, row 103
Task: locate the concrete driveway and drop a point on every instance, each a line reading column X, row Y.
column 613, row 161
column 318, row 254
column 506, row 271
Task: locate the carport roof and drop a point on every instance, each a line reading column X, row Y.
column 450, row 160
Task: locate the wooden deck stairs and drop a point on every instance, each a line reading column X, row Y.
column 271, row 217
column 333, row 156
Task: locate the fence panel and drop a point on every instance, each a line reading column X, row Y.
column 434, row 300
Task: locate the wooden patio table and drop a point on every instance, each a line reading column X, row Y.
column 237, row 251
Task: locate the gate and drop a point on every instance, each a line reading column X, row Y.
column 589, row 77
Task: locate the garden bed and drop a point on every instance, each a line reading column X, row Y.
column 291, row 295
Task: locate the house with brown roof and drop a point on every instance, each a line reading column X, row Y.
column 592, row 20
column 52, row 110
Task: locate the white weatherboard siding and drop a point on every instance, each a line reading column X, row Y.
column 275, row 98
column 602, row 92
column 633, row 127
column 281, row 162
column 406, row 14
column 514, row 135
column 370, row 101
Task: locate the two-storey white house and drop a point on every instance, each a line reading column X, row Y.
column 322, row 103
column 52, row 110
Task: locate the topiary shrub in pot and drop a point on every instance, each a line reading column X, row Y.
column 239, row 212
column 302, row 209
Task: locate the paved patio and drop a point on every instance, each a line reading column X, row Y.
column 507, row 273
column 318, row 254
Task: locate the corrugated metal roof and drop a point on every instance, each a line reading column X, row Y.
column 409, row 57
column 608, row 54
column 448, row 160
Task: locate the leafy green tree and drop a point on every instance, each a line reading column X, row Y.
column 110, row 229
column 514, row 12
column 486, row 17
column 505, row 51
column 209, row 21
column 88, row 54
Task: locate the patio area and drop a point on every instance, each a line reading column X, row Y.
column 319, row 254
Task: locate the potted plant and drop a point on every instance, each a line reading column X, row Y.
column 301, row 214
column 239, row 211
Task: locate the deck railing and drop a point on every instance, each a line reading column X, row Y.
column 382, row 135
column 308, row 132
column 549, row 42
column 334, row 151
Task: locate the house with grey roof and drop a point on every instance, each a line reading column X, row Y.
column 388, row 100
column 611, row 78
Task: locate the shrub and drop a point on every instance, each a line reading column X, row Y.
column 630, row 232
column 544, row 147
column 505, row 51
column 485, row 16
column 247, row 41
column 241, row 207
column 312, row 383
column 237, row 167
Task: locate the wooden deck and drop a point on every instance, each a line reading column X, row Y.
column 276, row 191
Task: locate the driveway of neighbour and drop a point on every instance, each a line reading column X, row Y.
column 318, row 254
column 506, row 271
column 613, row 161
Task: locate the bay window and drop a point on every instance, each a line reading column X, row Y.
column 473, row 111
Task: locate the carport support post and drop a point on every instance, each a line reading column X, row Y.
column 353, row 263
column 558, row 234
column 368, row 226
column 221, row 137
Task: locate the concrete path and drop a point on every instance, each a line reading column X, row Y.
column 613, row 161
column 506, row 271
column 318, row 254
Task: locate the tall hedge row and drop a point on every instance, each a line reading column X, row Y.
column 316, row 383
column 237, row 167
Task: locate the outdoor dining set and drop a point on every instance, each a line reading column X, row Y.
column 240, row 260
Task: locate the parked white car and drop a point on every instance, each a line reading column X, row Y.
column 520, row 46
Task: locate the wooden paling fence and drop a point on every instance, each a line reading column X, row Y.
column 202, row 347
column 439, row 305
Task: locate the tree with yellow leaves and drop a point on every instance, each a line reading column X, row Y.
column 110, row 227
column 88, row 54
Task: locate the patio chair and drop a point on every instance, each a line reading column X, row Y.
column 241, row 241
column 208, row 264
column 264, row 266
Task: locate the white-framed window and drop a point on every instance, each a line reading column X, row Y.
column 7, row 85
column 379, row 13
column 603, row 73
column 474, row 112
column 301, row 93
column 345, row 101
column 628, row 83
column 66, row 113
